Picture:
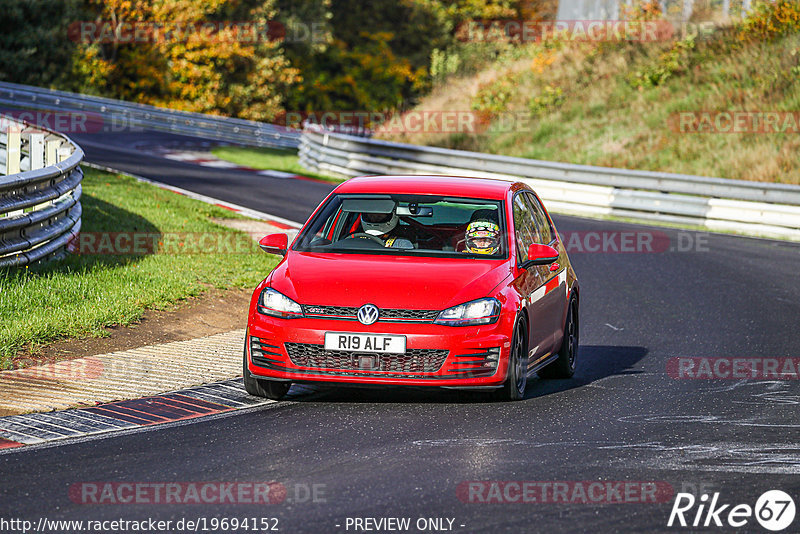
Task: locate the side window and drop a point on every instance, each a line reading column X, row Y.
column 524, row 230
column 545, row 231
column 330, row 226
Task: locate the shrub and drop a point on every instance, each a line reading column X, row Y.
column 494, row 97
column 551, row 98
column 769, row 20
column 676, row 59
column 443, row 64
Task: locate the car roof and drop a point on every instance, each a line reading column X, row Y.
column 459, row 186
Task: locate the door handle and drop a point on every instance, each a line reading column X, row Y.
column 554, row 266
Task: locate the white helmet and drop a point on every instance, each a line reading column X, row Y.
column 378, row 224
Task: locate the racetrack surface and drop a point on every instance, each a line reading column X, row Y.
column 404, row 453
column 131, row 152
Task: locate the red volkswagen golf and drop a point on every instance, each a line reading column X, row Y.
column 419, row 281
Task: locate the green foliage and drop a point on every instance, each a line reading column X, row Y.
column 381, row 54
column 495, row 96
column 367, row 76
column 641, row 11
column 550, row 99
column 771, row 19
column 208, row 71
column 344, row 55
column 675, row 60
column 443, row 64
column 34, row 50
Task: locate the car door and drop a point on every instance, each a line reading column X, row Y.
column 530, row 280
column 552, row 293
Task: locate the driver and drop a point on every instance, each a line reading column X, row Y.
column 482, row 237
column 382, row 226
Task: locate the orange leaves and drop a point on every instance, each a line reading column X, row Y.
column 542, row 60
column 189, row 55
column 769, row 20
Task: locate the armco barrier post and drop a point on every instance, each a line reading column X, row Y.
column 12, row 150
column 51, row 151
column 36, row 150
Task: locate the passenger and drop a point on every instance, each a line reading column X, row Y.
column 482, row 237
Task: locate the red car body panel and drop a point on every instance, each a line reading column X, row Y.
column 346, row 279
column 351, row 280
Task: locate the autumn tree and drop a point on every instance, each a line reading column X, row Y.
column 210, row 56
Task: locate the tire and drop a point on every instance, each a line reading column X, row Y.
column 261, row 387
column 564, row 366
column 517, row 380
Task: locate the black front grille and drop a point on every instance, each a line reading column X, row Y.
column 386, row 314
column 480, row 362
column 414, row 361
column 341, row 311
column 263, row 353
column 420, row 315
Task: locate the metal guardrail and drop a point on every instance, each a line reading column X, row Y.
column 40, row 191
column 731, row 205
column 132, row 115
column 771, row 210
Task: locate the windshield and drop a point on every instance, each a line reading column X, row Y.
column 407, row 225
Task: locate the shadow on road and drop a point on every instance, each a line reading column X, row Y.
column 594, row 363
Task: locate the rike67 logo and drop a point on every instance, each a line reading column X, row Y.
column 774, row 510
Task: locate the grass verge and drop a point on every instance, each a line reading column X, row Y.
column 82, row 294
column 268, row 159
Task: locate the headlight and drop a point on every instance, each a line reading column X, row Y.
column 482, row 311
column 277, row 304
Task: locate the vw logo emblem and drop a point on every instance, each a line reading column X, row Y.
column 368, row 314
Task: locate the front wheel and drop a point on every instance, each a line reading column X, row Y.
column 262, row 387
column 564, row 366
column 514, row 387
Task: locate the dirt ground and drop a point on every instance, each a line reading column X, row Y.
column 213, row 312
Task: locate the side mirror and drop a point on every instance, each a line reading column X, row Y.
column 540, row 255
column 275, row 244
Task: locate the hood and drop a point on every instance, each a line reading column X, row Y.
column 386, row 281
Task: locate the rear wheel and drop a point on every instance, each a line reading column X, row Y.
column 564, row 366
column 514, row 387
column 262, row 387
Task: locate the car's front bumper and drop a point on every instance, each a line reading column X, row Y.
column 436, row 355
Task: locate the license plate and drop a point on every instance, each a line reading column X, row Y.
column 365, row 343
